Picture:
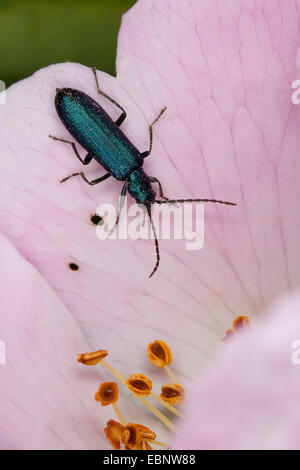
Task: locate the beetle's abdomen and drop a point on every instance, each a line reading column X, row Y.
column 93, row 128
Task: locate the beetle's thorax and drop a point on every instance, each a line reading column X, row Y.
column 139, row 187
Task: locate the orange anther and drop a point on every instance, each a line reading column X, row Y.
column 134, row 435
column 239, row 323
column 172, row 393
column 92, row 358
column 108, row 393
column 113, row 432
column 140, row 385
column 159, row 353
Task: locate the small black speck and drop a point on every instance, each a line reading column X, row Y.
column 73, row 267
column 96, row 219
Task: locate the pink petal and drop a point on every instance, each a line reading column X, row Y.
column 224, row 70
column 46, row 397
column 230, row 131
column 7, row 442
column 249, row 398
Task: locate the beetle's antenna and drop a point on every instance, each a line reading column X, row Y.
column 174, row 201
column 155, row 240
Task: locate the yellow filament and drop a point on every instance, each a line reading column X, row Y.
column 171, row 375
column 156, row 443
column 119, row 414
column 148, row 405
column 165, row 404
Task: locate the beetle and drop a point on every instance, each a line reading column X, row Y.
column 92, row 127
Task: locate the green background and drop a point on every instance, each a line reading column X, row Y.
column 36, row 33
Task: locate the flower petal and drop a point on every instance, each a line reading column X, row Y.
column 249, row 399
column 46, row 398
column 230, row 131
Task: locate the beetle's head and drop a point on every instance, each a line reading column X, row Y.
column 139, row 187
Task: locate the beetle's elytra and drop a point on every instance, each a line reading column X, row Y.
column 102, row 138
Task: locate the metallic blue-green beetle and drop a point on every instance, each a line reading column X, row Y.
column 95, row 131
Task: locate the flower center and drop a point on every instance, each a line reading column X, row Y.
column 136, row 436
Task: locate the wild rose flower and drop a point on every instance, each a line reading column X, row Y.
column 224, row 70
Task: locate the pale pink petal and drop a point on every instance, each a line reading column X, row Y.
column 250, row 397
column 224, row 70
column 46, row 397
column 7, row 442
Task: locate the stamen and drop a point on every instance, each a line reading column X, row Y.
column 114, row 372
column 108, row 394
column 172, row 393
column 158, row 414
column 229, row 334
column 166, row 405
column 170, row 373
column 148, row 405
column 141, row 386
column 158, row 443
column 160, row 355
column 113, row 432
column 92, row 358
column 121, row 378
column 146, row 446
column 239, row 323
column 119, row 414
column 134, row 436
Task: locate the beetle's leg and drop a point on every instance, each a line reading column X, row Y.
column 91, row 183
column 161, row 194
column 144, row 218
column 147, row 153
column 122, row 200
column 123, row 115
column 84, row 160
